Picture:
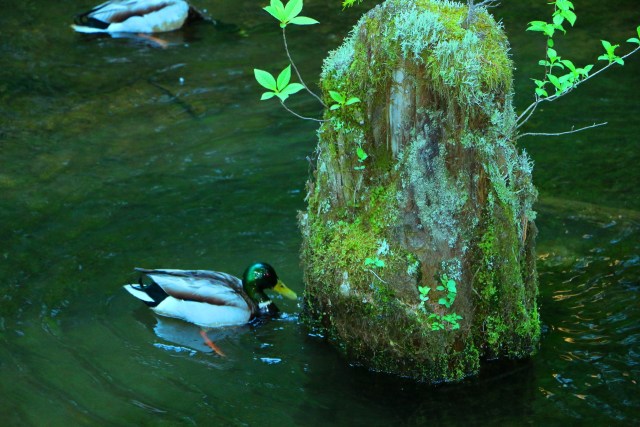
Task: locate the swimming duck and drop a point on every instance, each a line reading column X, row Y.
column 211, row 298
column 136, row 16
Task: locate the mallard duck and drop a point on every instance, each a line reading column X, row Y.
column 136, row 16
column 211, row 298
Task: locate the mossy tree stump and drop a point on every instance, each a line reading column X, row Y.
column 443, row 195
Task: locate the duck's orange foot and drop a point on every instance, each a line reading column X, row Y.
column 154, row 40
column 210, row 343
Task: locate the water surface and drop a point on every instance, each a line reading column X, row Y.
column 116, row 154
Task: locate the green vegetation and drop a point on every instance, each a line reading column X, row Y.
column 280, row 87
column 449, row 286
column 289, row 14
column 374, row 262
column 341, row 100
column 562, row 75
column 440, row 321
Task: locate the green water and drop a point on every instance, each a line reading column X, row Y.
column 116, row 154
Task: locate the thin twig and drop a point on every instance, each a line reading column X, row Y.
column 374, row 273
column 286, row 48
column 595, row 125
column 299, row 116
column 551, row 98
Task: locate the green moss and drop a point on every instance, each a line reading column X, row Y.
column 443, row 191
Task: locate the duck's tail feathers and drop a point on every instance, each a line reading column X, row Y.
column 152, row 294
column 87, row 20
column 83, row 29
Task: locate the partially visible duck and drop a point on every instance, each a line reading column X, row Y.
column 136, row 16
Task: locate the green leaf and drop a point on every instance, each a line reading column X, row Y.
column 558, row 19
column 569, row 16
column 265, row 79
column 267, row 95
column 335, row 107
column 279, row 7
column 336, row 96
column 292, row 88
column 550, row 30
column 451, row 286
column 352, row 100
column 440, row 288
column 539, row 83
column 292, row 9
column 607, row 45
column 284, row 77
column 303, row 20
column 564, row 4
column 273, row 12
column 550, row 42
column 541, row 92
column 377, row 262
column 537, row 26
column 424, row 289
column 554, row 81
column 619, row 60
column 634, row 40
column 362, row 155
column 443, row 301
column 569, row 65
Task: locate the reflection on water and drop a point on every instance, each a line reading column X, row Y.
column 116, row 154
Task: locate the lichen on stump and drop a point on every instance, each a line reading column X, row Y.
column 443, row 194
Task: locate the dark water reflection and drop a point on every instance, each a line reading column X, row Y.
column 116, row 154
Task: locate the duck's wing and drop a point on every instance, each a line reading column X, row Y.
column 119, row 11
column 210, row 287
column 138, row 16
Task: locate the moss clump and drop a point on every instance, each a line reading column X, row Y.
column 443, row 192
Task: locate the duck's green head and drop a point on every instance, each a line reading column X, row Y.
column 260, row 276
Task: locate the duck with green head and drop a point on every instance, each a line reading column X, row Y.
column 211, row 298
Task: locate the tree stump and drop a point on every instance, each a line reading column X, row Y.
column 418, row 239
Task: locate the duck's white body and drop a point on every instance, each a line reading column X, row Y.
column 133, row 16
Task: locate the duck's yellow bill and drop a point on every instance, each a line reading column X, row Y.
column 282, row 289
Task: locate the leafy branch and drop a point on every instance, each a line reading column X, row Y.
column 281, row 87
column 554, row 65
column 286, row 15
